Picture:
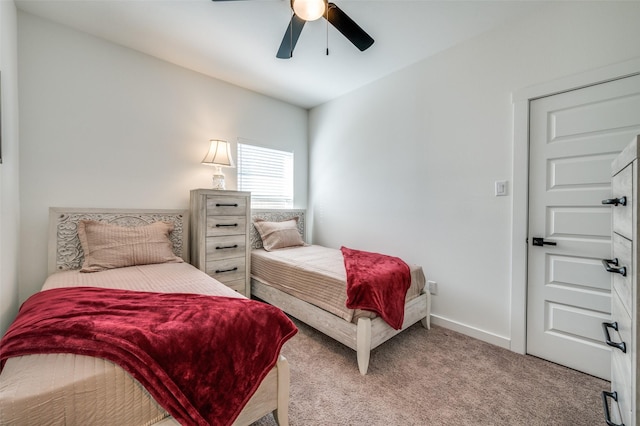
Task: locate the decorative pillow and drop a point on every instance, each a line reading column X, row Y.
column 109, row 246
column 277, row 235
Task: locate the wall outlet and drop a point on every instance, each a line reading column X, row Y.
column 433, row 287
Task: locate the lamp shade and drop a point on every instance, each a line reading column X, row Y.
column 219, row 154
column 309, row 10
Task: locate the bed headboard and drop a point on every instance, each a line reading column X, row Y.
column 276, row 216
column 65, row 251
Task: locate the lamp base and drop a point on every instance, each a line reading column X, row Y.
column 218, row 178
column 218, row 181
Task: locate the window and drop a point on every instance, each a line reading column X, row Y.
column 268, row 174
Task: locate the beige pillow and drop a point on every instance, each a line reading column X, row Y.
column 277, row 235
column 109, row 246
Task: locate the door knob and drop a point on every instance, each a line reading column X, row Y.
column 539, row 241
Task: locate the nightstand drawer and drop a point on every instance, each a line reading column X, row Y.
column 227, row 270
column 226, row 206
column 619, row 315
column 238, row 286
column 622, row 251
column 226, row 225
column 219, row 248
column 622, row 186
column 621, row 383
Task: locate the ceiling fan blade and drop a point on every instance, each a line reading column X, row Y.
column 290, row 37
column 348, row 27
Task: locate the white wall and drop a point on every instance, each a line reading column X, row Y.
column 9, row 190
column 411, row 172
column 106, row 126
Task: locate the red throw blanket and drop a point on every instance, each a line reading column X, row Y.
column 201, row 357
column 378, row 283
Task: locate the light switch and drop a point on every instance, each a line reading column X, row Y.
column 501, row 188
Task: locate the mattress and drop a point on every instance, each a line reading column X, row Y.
column 55, row 389
column 317, row 275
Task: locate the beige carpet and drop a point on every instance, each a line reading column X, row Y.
column 433, row 377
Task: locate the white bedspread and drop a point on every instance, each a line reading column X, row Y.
column 57, row 389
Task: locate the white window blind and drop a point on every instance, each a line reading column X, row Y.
column 268, row 174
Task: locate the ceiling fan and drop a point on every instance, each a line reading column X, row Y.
column 310, row 10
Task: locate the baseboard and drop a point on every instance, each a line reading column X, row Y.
column 485, row 336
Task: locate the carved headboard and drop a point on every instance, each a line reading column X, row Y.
column 276, row 216
column 65, row 251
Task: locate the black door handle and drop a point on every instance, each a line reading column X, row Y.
column 538, row 241
column 607, row 265
column 616, row 201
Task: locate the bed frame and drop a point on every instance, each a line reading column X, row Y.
column 362, row 337
column 65, row 253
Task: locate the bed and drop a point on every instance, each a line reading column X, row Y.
column 276, row 275
column 63, row 388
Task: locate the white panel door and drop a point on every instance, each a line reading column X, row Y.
column 573, row 137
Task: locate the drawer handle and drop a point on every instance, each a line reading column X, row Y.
column 605, row 406
column 607, row 338
column 220, row 271
column 227, row 247
column 222, row 225
column 236, row 205
column 616, row 201
column 622, row 270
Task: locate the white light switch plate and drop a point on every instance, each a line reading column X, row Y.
column 501, row 188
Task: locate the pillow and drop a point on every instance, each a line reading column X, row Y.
column 109, row 246
column 277, row 235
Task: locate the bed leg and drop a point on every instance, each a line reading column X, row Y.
column 281, row 414
column 363, row 344
column 426, row 321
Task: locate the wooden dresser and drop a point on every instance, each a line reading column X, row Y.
column 219, row 236
column 622, row 332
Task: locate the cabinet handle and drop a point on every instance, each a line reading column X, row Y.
column 605, row 327
column 616, row 201
column 227, row 247
column 605, row 406
column 236, row 205
column 222, row 225
column 607, row 265
column 220, row 271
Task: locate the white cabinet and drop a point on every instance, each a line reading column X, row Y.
column 622, row 332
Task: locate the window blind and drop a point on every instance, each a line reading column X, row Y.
column 267, row 174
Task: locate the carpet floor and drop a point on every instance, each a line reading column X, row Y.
column 433, row 377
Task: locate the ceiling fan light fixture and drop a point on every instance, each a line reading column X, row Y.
column 309, row 10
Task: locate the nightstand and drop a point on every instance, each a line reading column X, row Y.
column 219, row 234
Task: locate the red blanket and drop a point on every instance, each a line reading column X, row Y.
column 201, row 357
column 378, row 283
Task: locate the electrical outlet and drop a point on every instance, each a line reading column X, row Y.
column 433, row 287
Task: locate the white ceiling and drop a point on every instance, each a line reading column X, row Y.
column 237, row 41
